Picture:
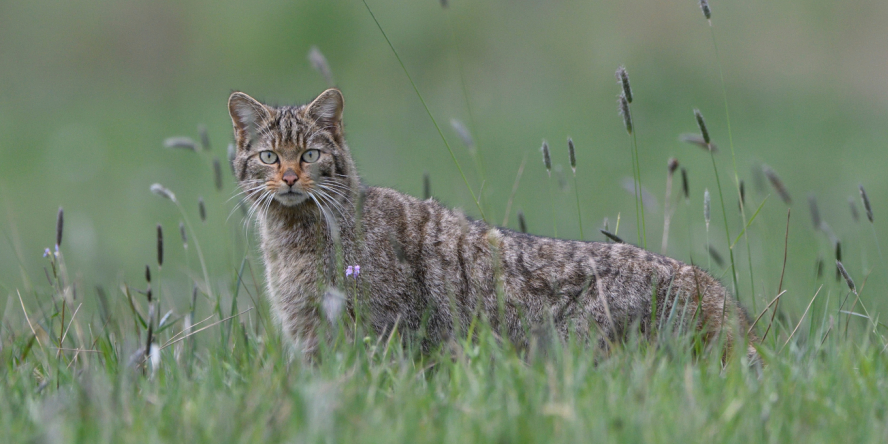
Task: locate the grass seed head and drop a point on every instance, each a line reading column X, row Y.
column 464, row 135
column 612, row 236
column 60, row 224
column 202, row 209
column 777, row 184
column 623, row 107
column 623, row 80
column 148, row 274
column 702, row 124
column 184, row 143
column 866, row 203
column 182, row 232
column 319, row 63
column 838, row 258
column 706, row 206
column 684, row 183
column 162, row 191
column 572, row 154
column 845, row 274
column 217, row 173
column 818, row 267
column 522, row 224
column 855, row 215
column 159, row 245
column 742, row 194
column 204, row 137
column 547, row 160
column 707, row 11
column 672, row 165
column 815, row 211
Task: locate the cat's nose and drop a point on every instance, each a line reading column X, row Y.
column 290, row 177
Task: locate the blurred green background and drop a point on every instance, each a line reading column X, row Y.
column 89, row 90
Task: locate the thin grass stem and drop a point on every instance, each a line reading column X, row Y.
column 435, row 122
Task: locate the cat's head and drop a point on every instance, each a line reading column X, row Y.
column 291, row 156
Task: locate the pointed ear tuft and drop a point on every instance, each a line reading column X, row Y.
column 245, row 112
column 326, row 110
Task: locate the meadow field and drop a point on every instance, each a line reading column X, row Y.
column 133, row 302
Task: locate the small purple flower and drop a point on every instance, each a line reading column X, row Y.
column 46, row 252
column 353, row 271
column 349, row 271
column 357, row 270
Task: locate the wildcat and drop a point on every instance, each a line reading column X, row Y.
column 424, row 266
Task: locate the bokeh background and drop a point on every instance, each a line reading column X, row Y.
column 89, row 90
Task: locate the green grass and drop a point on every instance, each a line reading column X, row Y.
column 235, row 379
column 246, row 389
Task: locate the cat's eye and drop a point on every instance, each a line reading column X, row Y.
column 268, row 157
column 311, row 156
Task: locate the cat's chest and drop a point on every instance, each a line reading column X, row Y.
column 291, row 256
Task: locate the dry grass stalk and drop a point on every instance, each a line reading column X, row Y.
column 801, row 319
column 671, row 166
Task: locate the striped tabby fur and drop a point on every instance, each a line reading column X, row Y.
column 424, row 266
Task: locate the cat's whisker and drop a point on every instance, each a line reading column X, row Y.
column 255, row 205
column 344, row 194
column 243, row 201
column 267, row 206
column 335, row 191
column 327, row 217
column 244, row 191
column 336, row 205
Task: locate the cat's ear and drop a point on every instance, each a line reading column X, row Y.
column 245, row 113
column 326, row 110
